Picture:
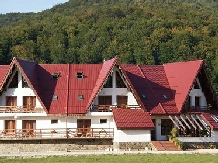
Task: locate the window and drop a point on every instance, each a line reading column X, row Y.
column 166, row 126
column 80, row 97
column 105, row 100
column 79, row 75
column 54, row 121
column 14, row 81
column 24, row 83
column 121, row 101
column 196, row 85
column 197, row 101
column 103, row 120
column 119, row 81
column 109, row 82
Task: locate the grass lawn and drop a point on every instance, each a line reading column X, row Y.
column 127, row 158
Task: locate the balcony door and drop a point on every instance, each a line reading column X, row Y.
column 10, row 126
column 29, row 102
column 84, row 126
column 105, row 100
column 121, row 101
column 11, row 100
column 29, row 125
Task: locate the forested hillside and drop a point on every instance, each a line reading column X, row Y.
column 136, row 31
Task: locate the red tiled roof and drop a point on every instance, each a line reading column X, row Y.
column 181, row 76
column 105, row 70
column 132, row 119
column 151, row 81
column 3, row 72
column 207, row 115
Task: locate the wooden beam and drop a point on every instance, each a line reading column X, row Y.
column 202, row 121
column 196, row 122
column 193, row 125
column 174, row 122
column 180, row 122
column 185, row 122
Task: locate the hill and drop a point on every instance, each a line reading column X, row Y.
column 137, row 31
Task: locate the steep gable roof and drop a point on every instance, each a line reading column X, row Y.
column 181, row 76
column 103, row 74
column 3, row 72
column 28, row 71
column 132, row 119
column 151, row 82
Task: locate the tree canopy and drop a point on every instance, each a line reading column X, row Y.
column 136, row 31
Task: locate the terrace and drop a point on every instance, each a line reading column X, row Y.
column 108, row 108
column 69, row 133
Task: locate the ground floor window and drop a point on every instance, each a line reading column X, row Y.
column 166, row 126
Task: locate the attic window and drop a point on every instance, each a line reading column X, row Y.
column 196, row 85
column 24, row 83
column 79, row 75
column 80, row 97
column 55, row 97
column 144, row 97
column 165, row 97
column 55, row 75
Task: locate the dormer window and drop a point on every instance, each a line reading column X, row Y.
column 80, row 97
column 56, row 75
column 79, row 75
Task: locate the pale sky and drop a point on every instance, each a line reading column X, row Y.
column 7, row 6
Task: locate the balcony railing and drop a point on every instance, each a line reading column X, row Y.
column 108, row 108
column 68, row 133
column 16, row 109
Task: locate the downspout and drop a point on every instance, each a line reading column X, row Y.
column 67, row 102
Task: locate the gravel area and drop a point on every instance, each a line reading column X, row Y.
column 77, row 153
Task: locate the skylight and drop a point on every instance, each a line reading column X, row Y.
column 80, row 97
column 79, row 75
column 165, row 97
column 144, row 97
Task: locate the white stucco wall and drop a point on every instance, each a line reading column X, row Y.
column 19, row 92
column 198, row 93
column 132, row 136
column 116, row 91
column 213, row 138
column 158, row 127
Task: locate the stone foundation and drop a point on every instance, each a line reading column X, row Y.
column 200, row 145
column 18, row 146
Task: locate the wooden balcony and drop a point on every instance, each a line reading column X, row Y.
column 69, row 133
column 16, row 109
column 108, row 108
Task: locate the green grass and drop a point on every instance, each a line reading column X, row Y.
column 127, row 158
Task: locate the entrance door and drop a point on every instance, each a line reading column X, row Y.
column 83, row 126
column 153, row 132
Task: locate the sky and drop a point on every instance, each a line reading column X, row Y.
column 8, row 6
